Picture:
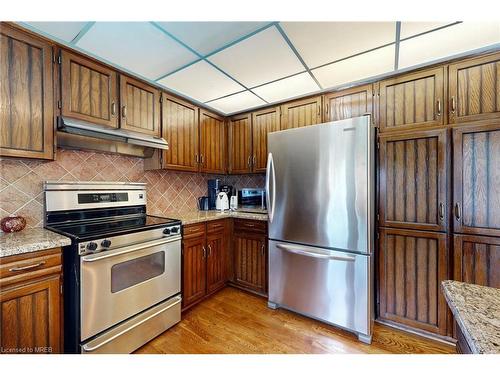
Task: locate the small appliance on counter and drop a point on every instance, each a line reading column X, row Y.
column 203, row 203
column 252, row 200
column 213, row 189
column 222, row 202
column 233, row 202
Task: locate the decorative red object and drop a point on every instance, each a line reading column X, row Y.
column 11, row 224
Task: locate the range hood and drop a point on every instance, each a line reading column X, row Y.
column 73, row 133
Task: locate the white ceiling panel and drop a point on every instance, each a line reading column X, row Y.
column 287, row 88
column 66, row 31
column 137, row 46
column 206, row 37
column 413, row 28
column 237, row 102
column 357, row 68
column 449, row 41
column 202, row 82
column 261, row 58
column 323, row 42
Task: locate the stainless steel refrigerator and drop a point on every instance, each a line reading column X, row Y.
column 320, row 191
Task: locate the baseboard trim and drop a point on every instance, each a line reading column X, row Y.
column 431, row 336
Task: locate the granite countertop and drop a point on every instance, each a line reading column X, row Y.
column 30, row 240
column 192, row 217
column 476, row 309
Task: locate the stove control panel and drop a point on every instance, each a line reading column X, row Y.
column 174, row 230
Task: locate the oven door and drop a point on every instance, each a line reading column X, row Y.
column 120, row 283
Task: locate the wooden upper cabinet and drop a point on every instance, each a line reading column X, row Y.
column 263, row 122
column 415, row 100
column 240, row 144
column 88, row 90
column 26, row 95
column 412, row 265
column 140, row 106
column 476, row 260
column 213, row 139
column 180, row 129
column 348, row 103
column 413, row 173
column 301, row 113
column 474, row 89
column 476, row 162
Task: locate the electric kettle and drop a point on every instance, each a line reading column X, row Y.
column 222, row 202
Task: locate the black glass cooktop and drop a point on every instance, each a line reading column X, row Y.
column 101, row 228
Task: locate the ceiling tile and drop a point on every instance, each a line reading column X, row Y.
column 323, row 42
column 259, row 59
column 356, row 68
column 287, row 88
column 206, row 37
column 449, row 41
column 66, row 31
column 202, row 82
column 413, row 28
column 137, row 46
column 237, row 102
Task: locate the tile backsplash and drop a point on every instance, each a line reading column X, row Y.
column 168, row 192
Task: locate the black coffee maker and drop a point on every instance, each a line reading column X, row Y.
column 213, row 189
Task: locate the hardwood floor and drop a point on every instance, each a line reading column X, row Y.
column 235, row 322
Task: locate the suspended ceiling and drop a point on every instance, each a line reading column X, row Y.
column 236, row 66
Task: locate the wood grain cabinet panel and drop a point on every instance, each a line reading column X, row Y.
column 216, row 265
column 250, row 261
column 140, row 106
column 412, row 265
column 474, row 87
column 240, row 144
column 26, row 95
column 415, row 100
column 194, row 269
column 348, row 103
column 213, row 140
column 476, row 161
column 88, row 91
column 413, row 173
column 301, row 113
column 476, row 260
column 180, row 129
column 263, row 122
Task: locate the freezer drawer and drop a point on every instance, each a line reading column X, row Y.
column 332, row 286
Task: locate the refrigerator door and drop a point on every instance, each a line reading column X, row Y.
column 319, row 181
column 329, row 285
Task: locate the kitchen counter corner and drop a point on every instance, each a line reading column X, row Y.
column 193, row 217
column 30, row 240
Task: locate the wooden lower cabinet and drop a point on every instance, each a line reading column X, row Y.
column 30, row 303
column 194, row 268
column 216, row 264
column 412, row 265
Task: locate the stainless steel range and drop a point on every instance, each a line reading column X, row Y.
column 122, row 272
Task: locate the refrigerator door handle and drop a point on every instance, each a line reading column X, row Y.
column 314, row 254
column 270, row 206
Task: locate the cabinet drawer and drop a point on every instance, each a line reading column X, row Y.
column 24, row 267
column 193, row 230
column 216, row 225
column 250, row 225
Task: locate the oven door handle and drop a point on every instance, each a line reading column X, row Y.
column 128, row 249
column 87, row 348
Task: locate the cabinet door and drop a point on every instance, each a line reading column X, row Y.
column 216, row 264
column 240, row 144
column 301, row 113
column 213, row 139
column 413, row 100
column 349, row 103
column 476, row 162
column 140, row 106
column 250, row 266
column 263, row 122
column 476, row 260
column 26, row 96
column 30, row 316
column 180, row 129
column 412, row 265
column 88, row 90
column 194, row 269
column 474, row 87
column 413, row 179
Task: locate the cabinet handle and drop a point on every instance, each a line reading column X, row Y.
column 441, row 211
column 453, row 104
column 254, row 159
column 439, row 107
column 124, row 111
column 319, row 111
column 249, row 162
column 209, row 250
column 202, row 159
column 24, row 268
column 204, row 252
column 327, row 108
column 263, row 249
column 113, row 109
column 196, row 158
column 457, row 211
